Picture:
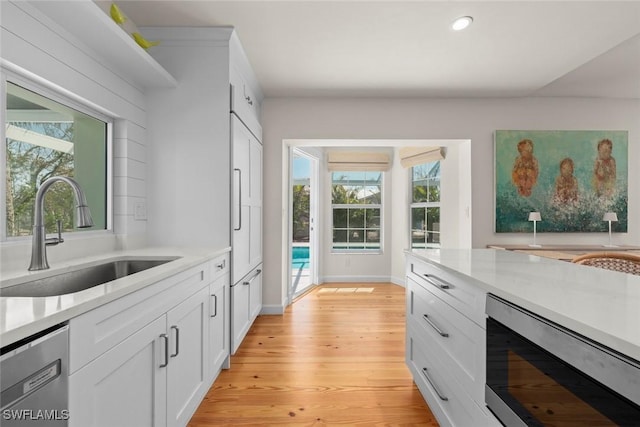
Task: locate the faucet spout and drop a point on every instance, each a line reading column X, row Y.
column 83, row 219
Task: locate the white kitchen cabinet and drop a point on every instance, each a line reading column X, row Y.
column 158, row 374
column 101, row 329
column 124, row 387
column 247, row 200
column 246, row 299
column 255, row 293
column 446, row 344
column 219, row 319
column 205, row 153
column 187, row 370
column 246, row 238
column 246, row 293
column 458, row 340
column 245, row 95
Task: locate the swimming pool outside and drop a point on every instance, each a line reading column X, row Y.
column 300, row 257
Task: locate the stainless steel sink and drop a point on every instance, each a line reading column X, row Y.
column 83, row 278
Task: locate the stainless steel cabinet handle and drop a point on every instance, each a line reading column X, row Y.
column 434, row 326
column 433, row 386
column 166, row 350
column 436, row 281
column 222, row 264
column 248, row 282
column 239, row 198
column 177, row 341
column 215, row 305
column 248, row 99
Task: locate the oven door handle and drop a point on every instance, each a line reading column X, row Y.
column 433, row 386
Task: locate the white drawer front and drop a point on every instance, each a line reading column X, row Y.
column 445, row 397
column 464, row 297
column 454, row 337
column 220, row 266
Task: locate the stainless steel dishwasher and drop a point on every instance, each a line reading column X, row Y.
column 34, row 380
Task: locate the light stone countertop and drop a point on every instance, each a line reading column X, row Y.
column 21, row 317
column 599, row 304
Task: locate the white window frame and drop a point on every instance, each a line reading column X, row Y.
column 426, row 205
column 48, row 91
column 376, row 251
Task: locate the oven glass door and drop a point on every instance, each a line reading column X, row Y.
column 542, row 390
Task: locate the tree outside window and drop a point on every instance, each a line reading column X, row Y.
column 301, row 211
column 43, row 139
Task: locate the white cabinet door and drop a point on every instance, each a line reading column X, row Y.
column 255, row 294
column 126, row 386
column 247, row 200
column 218, row 325
column 187, row 379
column 239, row 314
column 241, row 209
column 246, row 304
column 244, row 101
column 255, row 236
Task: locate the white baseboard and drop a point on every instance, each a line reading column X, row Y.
column 400, row 281
column 355, row 279
column 272, row 309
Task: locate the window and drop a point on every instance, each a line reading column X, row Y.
column 43, row 139
column 356, row 204
column 425, row 205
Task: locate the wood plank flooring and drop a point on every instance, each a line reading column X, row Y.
column 336, row 357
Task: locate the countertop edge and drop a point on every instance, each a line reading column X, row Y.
column 189, row 257
column 606, row 339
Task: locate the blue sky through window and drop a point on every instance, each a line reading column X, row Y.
column 301, row 168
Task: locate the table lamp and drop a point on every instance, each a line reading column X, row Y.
column 609, row 217
column 535, row 217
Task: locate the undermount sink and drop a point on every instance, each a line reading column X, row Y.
column 82, row 278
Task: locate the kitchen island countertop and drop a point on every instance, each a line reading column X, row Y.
column 601, row 305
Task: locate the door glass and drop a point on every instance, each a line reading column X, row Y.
column 301, row 224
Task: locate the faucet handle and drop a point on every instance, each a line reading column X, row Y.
column 52, row 241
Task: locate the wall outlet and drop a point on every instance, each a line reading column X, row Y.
column 140, row 211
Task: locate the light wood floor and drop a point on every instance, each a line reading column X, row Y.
column 335, row 357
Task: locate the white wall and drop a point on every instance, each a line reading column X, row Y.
column 34, row 49
column 472, row 119
column 399, row 236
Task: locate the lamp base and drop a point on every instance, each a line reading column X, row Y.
column 535, row 246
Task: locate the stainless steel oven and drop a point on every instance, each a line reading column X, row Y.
column 541, row 374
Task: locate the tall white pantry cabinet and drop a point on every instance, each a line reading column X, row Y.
column 205, row 158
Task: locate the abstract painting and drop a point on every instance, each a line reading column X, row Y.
column 571, row 177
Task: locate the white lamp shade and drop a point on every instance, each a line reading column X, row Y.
column 534, row 216
column 610, row 216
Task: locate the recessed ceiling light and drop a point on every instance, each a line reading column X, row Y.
column 461, row 23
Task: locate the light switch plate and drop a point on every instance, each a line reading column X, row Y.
column 140, row 211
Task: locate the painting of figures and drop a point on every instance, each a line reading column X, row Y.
column 571, row 177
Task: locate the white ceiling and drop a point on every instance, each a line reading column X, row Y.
column 407, row 49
